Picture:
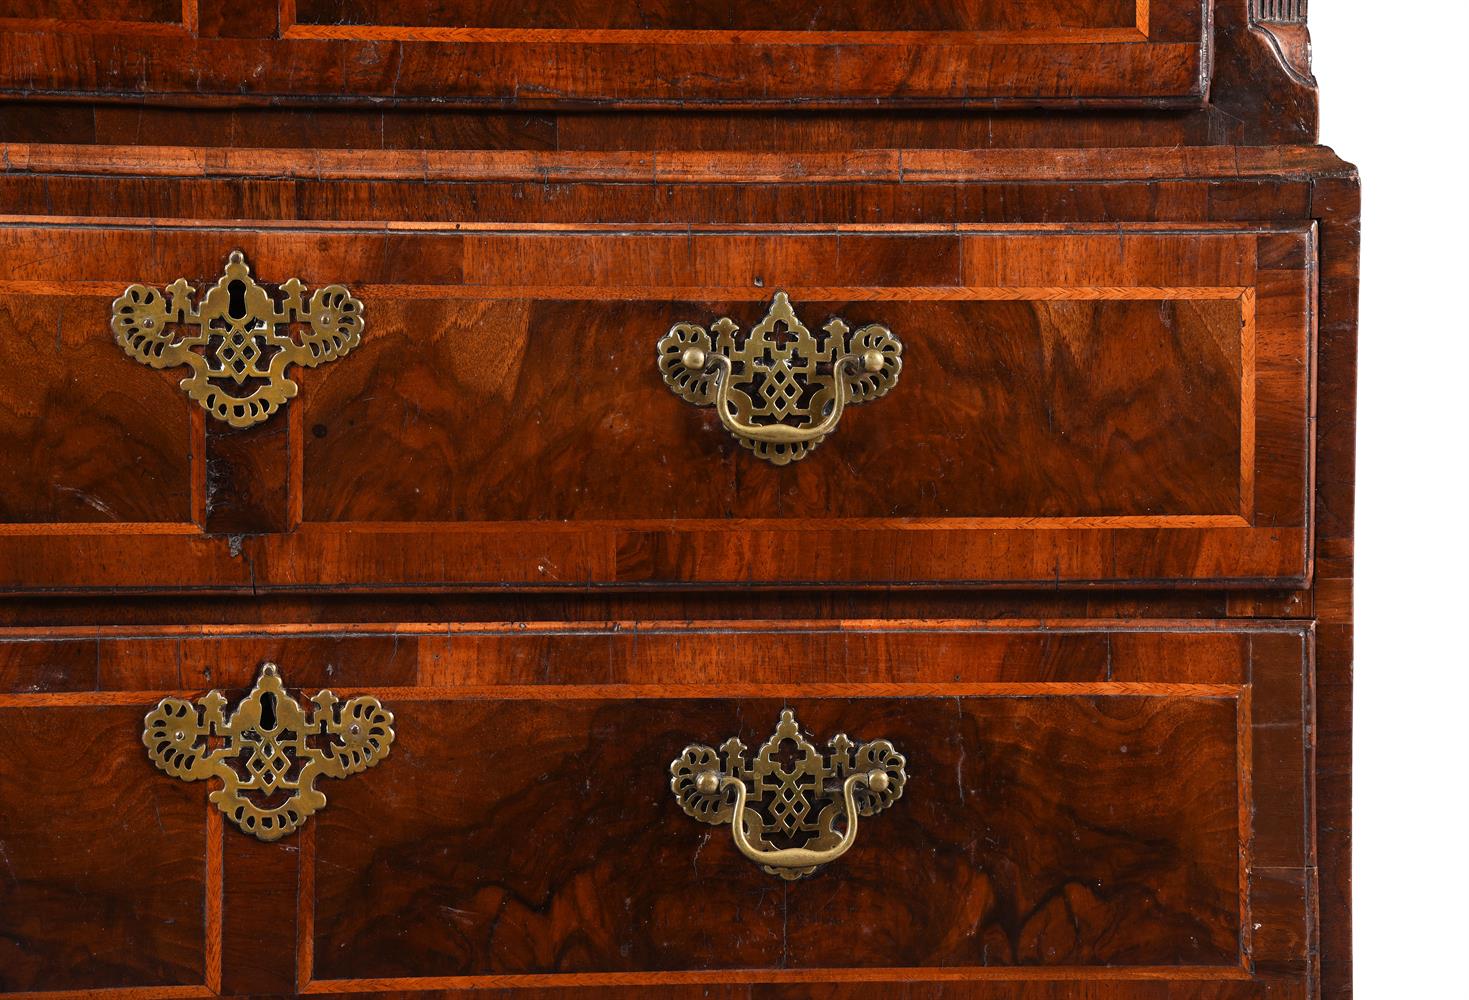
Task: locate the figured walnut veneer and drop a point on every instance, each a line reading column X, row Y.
column 1090, row 566
column 1155, row 384
column 525, row 834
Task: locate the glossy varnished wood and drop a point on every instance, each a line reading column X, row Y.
column 1194, row 466
column 1090, row 53
column 531, row 771
column 370, row 160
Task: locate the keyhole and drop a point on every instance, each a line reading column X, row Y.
column 237, row 299
column 267, row 711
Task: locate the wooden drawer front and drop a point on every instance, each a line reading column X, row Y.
column 998, row 52
column 1077, row 407
column 1122, row 808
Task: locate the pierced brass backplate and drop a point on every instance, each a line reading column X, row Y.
column 267, row 753
column 237, row 339
column 779, row 389
column 788, row 813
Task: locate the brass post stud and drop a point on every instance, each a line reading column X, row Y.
column 707, row 783
column 694, row 359
column 872, row 362
column 878, row 780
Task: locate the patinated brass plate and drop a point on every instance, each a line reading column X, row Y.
column 266, row 753
column 779, row 389
column 237, row 340
column 785, row 817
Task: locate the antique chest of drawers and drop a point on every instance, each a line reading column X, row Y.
column 673, row 500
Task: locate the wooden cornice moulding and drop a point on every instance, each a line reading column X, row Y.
column 911, row 166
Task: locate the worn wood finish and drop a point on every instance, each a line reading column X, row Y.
column 103, row 874
column 1099, row 53
column 1192, row 467
column 1028, row 734
column 102, row 130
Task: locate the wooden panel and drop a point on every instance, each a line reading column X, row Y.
column 85, row 440
column 141, row 12
column 700, row 15
column 102, row 867
column 1127, row 438
column 1091, row 807
column 557, row 848
column 1102, row 53
column 503, row 421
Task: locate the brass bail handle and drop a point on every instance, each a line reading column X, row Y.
column 792, row 857
column 806, row 800
column 779, row 389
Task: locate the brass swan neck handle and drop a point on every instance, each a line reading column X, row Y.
column 784, row 794
column 800, row 857
column 783, row 433
column 779, row 388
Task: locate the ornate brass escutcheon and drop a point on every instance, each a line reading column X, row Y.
column 779, row 389
column 268, row 755
column 784, row 816
column 237, row 340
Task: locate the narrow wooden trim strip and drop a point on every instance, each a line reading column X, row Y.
column 664, row 293
column 721, row 977
column 846, row 690
column 632, row 628
column 690, row 37
column 100, row 26
column 305, row 904
column 1247, row 414
column 1244, row 750
column 119, row 993
column 102, row 527
column 1142, row 165
column 213, row 897
column 671, row 692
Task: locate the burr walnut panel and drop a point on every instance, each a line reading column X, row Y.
column 671, row 53
column 1100, row 807
column 1076, row 405
column 103, row 874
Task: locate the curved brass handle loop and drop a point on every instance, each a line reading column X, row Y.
column 779, row 433
column 779, row 389
column 872, row 776
column 267, row 754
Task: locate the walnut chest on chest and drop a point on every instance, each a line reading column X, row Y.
column 673, row 500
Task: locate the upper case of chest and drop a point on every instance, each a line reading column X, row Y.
column 670, row 53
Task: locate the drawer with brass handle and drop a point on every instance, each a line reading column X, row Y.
column 1023, row 406
column 974, row 803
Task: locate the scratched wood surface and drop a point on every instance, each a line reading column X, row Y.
column 1106, row 804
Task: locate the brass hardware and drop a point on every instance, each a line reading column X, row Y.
column 271, row 754
column 237, row 341
column 805, row 801
column 779, row 372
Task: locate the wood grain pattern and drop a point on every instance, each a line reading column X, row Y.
column 680, row 15
column 1256, row 97
column 1194, row 466
column 998, row 54
column 503, row 885
column 1019, row 737
column 86, row 440
column 102, row 869
column 368, row 160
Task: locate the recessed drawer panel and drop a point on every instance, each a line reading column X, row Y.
column 567, row 408
column 1100, row 53
column 1000, row 809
